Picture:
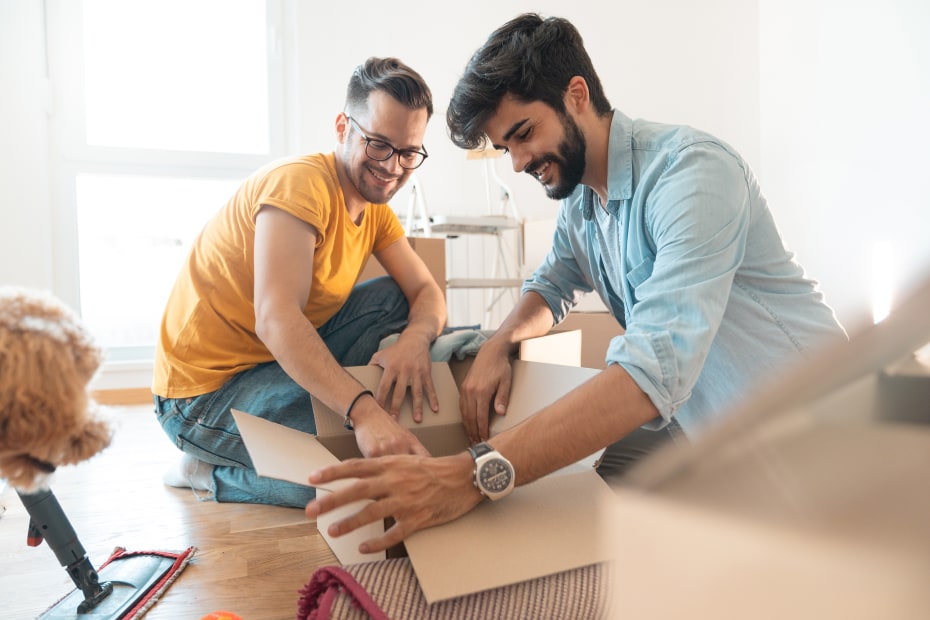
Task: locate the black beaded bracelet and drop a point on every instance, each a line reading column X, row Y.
column 348, row 421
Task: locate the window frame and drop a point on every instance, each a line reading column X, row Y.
column 71, row 156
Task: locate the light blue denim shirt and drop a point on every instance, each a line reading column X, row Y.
column 688, row 257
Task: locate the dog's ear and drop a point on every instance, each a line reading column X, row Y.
column 85, row 354
column 93, row 437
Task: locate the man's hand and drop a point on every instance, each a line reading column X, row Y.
column 487, row 382
column 417, row 492
column 379, row 434
column 406, row 364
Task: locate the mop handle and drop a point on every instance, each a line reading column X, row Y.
column 47, row 520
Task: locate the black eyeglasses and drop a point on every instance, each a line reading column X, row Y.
column 379, row 150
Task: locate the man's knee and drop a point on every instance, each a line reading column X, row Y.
column 619, row 457
column 386, row 290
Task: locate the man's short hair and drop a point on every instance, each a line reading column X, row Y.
column 393, row 77
column 529, row 57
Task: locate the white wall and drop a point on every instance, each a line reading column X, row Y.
column 845, row 130
column 670, row 60
column 26, row 230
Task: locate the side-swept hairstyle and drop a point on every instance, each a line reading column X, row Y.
column 393, row 77
column 529, row 57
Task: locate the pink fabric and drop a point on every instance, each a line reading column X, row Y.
column 327, row 583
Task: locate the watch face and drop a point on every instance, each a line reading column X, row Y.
column 495, row 475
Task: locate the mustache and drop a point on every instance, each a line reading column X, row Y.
column 539, row 162
column 384, row 173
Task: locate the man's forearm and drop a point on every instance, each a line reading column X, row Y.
column 427, row 315
column 530, row 318
column 594, row 415
column 303, row 355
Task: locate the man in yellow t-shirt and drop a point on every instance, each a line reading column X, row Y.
column 266, row 311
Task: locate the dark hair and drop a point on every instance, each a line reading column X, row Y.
column 393, row 77
column 529, row 57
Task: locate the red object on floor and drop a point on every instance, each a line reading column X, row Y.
column 317, row 597
column 181, row 560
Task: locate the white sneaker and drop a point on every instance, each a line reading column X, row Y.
column 190, row 473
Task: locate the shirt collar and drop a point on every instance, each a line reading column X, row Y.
column 619, row 167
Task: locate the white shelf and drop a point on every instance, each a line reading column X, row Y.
column 484, row 283
column 503, row 268
column 466, row 225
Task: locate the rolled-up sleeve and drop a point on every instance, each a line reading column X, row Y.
column 685, row 240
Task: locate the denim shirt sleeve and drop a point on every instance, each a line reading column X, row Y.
column 562, row 278
column 685, row 238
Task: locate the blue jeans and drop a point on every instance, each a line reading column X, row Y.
column 203, row 426
column 621, row 456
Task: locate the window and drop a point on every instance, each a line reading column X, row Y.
column 159, row 110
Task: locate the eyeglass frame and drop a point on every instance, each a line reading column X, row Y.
column 394, row 150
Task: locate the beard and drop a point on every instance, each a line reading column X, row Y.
column 570, row 161
column 358, row 173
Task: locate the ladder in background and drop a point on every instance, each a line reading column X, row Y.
column 505, row 269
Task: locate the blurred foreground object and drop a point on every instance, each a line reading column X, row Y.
column 809, row 501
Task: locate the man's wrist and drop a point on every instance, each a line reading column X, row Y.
column 501, row 345
column 357, row 410
column 465, row 468
column 424, row 335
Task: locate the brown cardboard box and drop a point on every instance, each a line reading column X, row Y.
column 556, row 347
column 597, row 330
column 541, row 529
column 433, row 253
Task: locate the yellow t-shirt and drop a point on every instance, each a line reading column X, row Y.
column 208, row 328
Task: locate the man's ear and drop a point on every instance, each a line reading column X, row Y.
column 577, row 97
column 342, row 127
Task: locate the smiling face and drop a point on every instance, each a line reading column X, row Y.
column 541, row 142
column 387, row 120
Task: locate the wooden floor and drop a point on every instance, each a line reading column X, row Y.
column 251, row 559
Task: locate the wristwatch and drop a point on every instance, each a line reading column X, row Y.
column 494, row 475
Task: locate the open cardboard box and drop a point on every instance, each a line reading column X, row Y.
column 542, row 528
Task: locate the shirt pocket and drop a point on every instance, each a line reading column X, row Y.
column 639, row 274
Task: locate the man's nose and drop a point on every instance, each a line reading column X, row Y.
column 392, row 163
column 519, row 159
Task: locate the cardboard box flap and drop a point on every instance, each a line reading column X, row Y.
column 536, row 385
column 543, row 528
column 283, row 453
column 287, row 454
column 345, row 547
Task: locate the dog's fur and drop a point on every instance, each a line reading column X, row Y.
column 47, row 416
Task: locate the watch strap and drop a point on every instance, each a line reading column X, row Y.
column 479, row 449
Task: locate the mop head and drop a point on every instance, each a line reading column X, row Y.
column 139, row 579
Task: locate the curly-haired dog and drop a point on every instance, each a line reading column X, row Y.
column 47, row 417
